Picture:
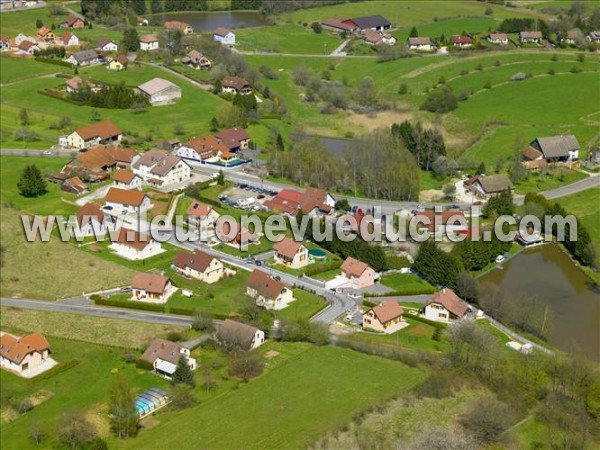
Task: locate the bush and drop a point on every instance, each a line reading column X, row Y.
column 316, row 27
column 575, row 69
column 441, row 100
column 464, row 95
column 487, row 419
column 303, row 330
column 182, row 397
column 174, row 336
column 246, row 365
column 143, row 364
column 437, row 385
column 203, row 322
column 487, row 85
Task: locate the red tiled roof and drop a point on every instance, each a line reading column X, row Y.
column 176, row 25
column 286, row 201
column 104, row 130
column 232, row 137
column 70, row 21
column 162, row 349
column 198, row 261
column 76, row 183
column 133, row 238
column 449, row 300
column 206, row 146
column 314, row 198
column 91, row 211
column 121, row 154
column 44, row 31
column 388, row 310
column 125, row 196
column 26, row 45
column 337, row 23
column 122, row 59
column 198, row 209
column 461, row 40
column 287, row 247
column 354, row 267
column 150, row 282
column 222, row 31
column 66, row 37
column 266, row 286
column 124, row 176
column 148, row 38
column 15, row 349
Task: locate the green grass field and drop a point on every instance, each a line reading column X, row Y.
column 288, row 38
column 407, row 282
column 14, row 70
column 280, row 409
column 448, row 28
column 585, row 206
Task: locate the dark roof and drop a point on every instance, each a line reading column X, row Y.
column 232, row 331
column 556, row 146
column 370, row 21
column 495, row 183
column 85, row 55
column 232, row 137
column 238, row 83
column 266, row 286
column 165, row 350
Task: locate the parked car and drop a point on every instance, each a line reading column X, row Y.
column 47, row 153
column 500, row 259
column 125, row 289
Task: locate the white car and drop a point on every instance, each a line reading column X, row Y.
column 47, row 153
column 500, row 259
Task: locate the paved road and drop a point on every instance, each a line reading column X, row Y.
column 98, row 311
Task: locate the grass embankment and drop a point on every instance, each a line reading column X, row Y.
column 406, row 284
column 288, row 38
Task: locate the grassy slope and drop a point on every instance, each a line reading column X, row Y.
column 407, row 282
column 585, row 206
column 280, row 408
column 16, row 70
column 288, row 38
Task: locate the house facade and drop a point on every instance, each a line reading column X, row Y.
column 462, row 41
column 290, row 253
column 530, row 37
column 126, row 179
column 91, row 221
column 445, row 306
column 19, row 354
column 69, row 39
column 105, row 132
column 165, row 355
column 106, row 45
column 240, row 334
column 498, row 38
column 201, row 148
column 151, row 288
column 420, row 43
column 487, row 186
column 84, row 58
column 554, row 148
column 149, row 42
column 268, row 292
column 199, row 265
column 201, row 215
column 196, row 60
column 160, row 169
column 358, row 273
column 224, row 36
column 387, row 317
column 127, row 201
column 236, row 85
column 72, row 21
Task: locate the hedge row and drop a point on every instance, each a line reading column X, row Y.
column 58, row 96
column 322, row 267
column 56, row 62
column 427, row 321
column 131, row 305
column 61, row 367
column 420, row 291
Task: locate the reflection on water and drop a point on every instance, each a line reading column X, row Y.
column 202, row 21
column 549, row 274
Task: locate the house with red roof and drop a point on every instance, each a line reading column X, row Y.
column 133, row 245
column 236, row 235
column 443, row 222
column 4, row 43
column 358, row 274
column 267, row 291
column 91, row 221
column 28, row 48
column 291, row 253
column 151, row 288
column 199, row 265
column 126, row 179
column 24, row 353
column 445, row 306
column 127, row 201
column 234, row 139
column 201, row 215
column 312, row 202
column 104, row 132
column 69, row 39
column 386, row 317
column 224, row 36
column 201, row 148
column 72, row 22
column 462, row 41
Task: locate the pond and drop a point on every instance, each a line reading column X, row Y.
column 208, row 21
column 548, row 274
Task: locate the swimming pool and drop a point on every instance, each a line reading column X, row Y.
column 317, row 254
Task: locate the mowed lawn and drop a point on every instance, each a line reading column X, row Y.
column 586, row 206
column 409, row 283
column 288, row 38
column 289, row 407
column 18, row 69
column 84, row 386
column 193, row 111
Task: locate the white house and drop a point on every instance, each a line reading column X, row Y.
column 199, row 265
column 91, row 221
column 268, row 292
column 530, row 37
column 151, row 288
column 28, row 48
column 420, row 43
column 104, row 132
column 201, row 215
column 133, row 245
column 224, row 36
column 4, row 43
column 126, row 179
column 23, row 37
column 149, row 42
column 240, row 334
column 107, row 45
column 160, row 91
column 462, row 41
column 291, row 253
column 69, row 39
column 498, row 38
column 445, row 306
column 201, row 148
column 127, row 201
column 19, row 354
column 84, row 58
column 164, row 356
column 159, row 169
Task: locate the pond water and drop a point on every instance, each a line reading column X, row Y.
column 547, row 273
column 336, row 146
column 203, row 21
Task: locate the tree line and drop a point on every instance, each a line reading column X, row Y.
column 118, row 96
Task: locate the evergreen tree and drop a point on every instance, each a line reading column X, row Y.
column 139, row 6
column 39, row 24
column 183, row 373
column 280, row 144
column 124, row 421
column 24, row 117
column 214, row 124
column 221, row 178
column 156, row 6
column 413, row 32
column 32, row 183
column 130, row 39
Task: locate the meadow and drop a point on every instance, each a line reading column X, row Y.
column 585, row 206
column 406, row 284
column 16, row 70
column 288, row 38
column 278, row 409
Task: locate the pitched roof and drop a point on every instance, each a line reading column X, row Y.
column 237, row 83
column 104, row 130
column 44, row 31
column 15, row 348
column 286, row 201
column 194, row 56
column 26, row 45
column 121, row 154
column 155, row 85
column 494, row 183
column 124, row 176
column 162, row 349
column 370, row 21
column 90, row 211
column 66, row 36
column 386, row 311
column 165, row 165
column 149, row 158
column 150, row 282
column 103, row 42
column 532, row 153
column 222, row 31
column 85, row 55
column 72, row 19
column 133, row 238
column 421, row 40
column 198, row 261
column 498, row 36
column 76, row 183
column 125, row 196
column 148, row 38
column 287, row 247
column 74, row 82
column 372, row 36
column 240, row 332
column 206, row 146
column 266, row 286
column 461, row 40
column 198, row 209
column 96, row 158
column 314, row 198
column 3, row 38
column 354, row 267
column 337, row 23
column 531, row 34
column 449, row 300
column 176, row 25
column 122, row 59
column 556, row 146
column 232, row 137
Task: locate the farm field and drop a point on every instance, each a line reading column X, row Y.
column 96, row 330
column 290, row 389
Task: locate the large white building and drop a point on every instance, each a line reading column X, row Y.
column 160, row 91
column 224, row 36
column 104, row 132
column 157, row 168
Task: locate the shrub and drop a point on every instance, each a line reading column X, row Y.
column 441, row 100
column 464, row 95
column 487, row 419
column 174, row 336
column 551, row 71
column 575, row 69
column 487, row 85
column 316, row 27
column 143, row 364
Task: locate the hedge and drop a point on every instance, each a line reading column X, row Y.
column 58, row 96
column 131, row 305
column 56, row 62
column 421, row 291
column 321, row 267
column 433, row 323
column 61, row 367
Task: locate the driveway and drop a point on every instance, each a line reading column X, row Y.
column 96, row 195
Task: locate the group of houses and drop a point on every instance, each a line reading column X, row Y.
column 312, row 202
column 219, row 147
column 443, row 306
column 372, row 29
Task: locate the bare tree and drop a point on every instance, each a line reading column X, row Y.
column 74, row 430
